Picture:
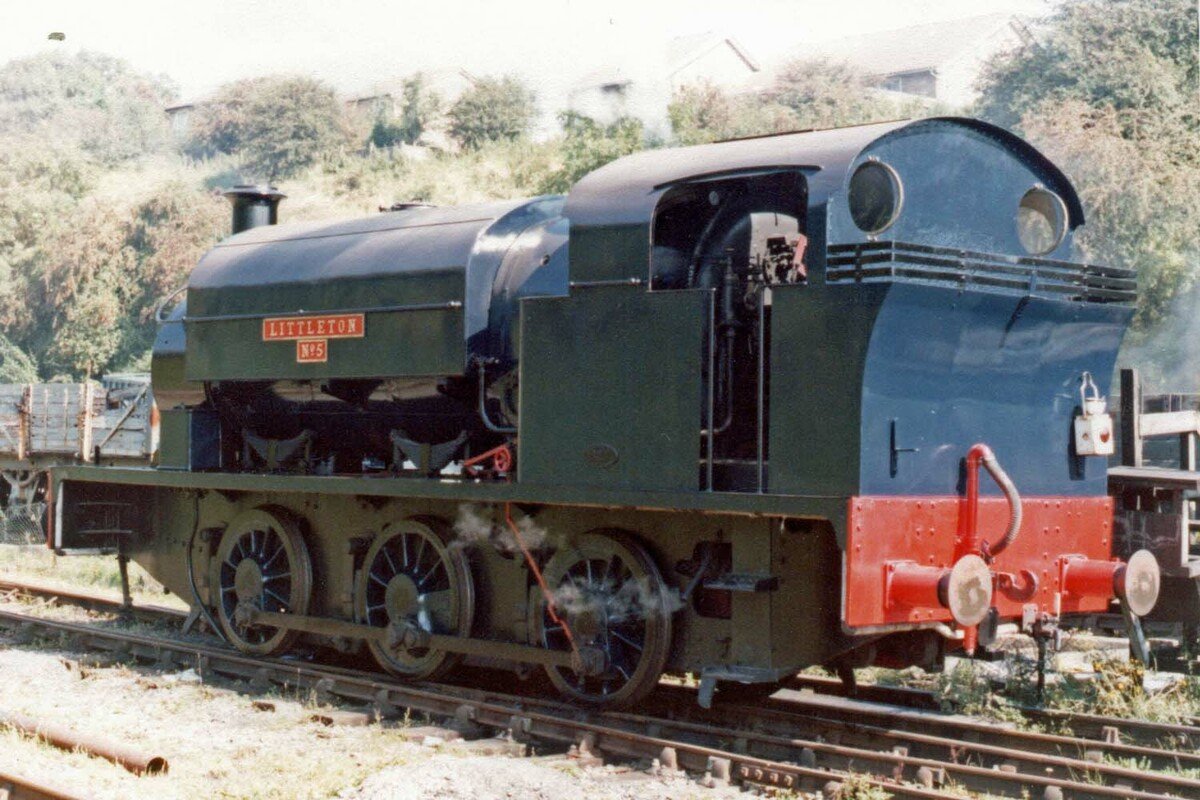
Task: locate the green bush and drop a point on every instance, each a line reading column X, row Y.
column 91, row 101
column 16, row 366
column 588, row 145
column 419, row 107
column 277, row 126
column 492, row 110
column 702, row 113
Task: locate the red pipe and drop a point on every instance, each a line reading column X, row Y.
column 975, row 456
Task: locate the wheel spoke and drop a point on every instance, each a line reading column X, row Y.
column 421, row 583
column 626, row 642
column 388, row 556
column 379, row 580
column 281, row 600
column 275, row 555
column 420, row 553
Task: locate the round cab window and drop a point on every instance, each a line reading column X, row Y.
column 875, row 197
column 1041, row 221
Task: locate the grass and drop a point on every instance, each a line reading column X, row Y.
column 217, row 743
column 1115, row 687
column 37, row 564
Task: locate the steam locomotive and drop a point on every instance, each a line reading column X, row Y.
column 723, row 409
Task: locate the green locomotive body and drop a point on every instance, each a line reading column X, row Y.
column 712, row 412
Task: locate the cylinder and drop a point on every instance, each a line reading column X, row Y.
column 254, row 206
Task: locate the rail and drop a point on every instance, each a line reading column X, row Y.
column 908, row 754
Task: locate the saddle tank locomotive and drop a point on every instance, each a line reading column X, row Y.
column 831, row 398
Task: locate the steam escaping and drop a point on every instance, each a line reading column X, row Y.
column 1168, row 355
column 635, row 599
column 474, row 526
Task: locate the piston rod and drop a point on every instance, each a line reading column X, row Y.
column 591, row 661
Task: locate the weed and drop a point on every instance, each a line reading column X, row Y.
column 859, row 787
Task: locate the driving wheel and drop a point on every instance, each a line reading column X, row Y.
column 412, row 578
column 608, row 595
column 262, row 561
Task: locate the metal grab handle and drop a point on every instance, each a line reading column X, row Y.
column 161, row 306
column 982, row 454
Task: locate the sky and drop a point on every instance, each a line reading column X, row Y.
column 357, row 44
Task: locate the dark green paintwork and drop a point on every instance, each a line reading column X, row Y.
column 819, row 339
column 608, row 253
column 396, row 344
column 173, row 439
column 814, row 507
column 611, row 389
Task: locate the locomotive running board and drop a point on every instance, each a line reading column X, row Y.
column 590, row 660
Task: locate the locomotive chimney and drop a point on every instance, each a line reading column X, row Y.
column 254, row 206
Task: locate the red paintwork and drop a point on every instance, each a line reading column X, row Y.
column 931, row 532
column 914, row 585
column 1081, row 576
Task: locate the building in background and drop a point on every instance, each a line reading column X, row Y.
column 938, row 61
column 385, row 100
column 641, row 86
column 179, row 116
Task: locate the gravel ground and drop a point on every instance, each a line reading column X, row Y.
column 450, row 777
column 220, row 745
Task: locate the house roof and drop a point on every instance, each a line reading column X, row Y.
column 913, row 49
column 677, row 54
column 449, row 83
column 684, row 50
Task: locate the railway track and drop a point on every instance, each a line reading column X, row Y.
column 792, row 742
column 1091, row 726
column 14, row 787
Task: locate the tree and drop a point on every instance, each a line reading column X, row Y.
column 588, row 145
column 1130, row 55
column 91, row 101
column 704, row 113
column 277, row 126
column 40, row 189
column 89, row 297
column 824, row 94
column 420, row 106
column 1108, row 91
column 15, row 364
column 491, row 110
